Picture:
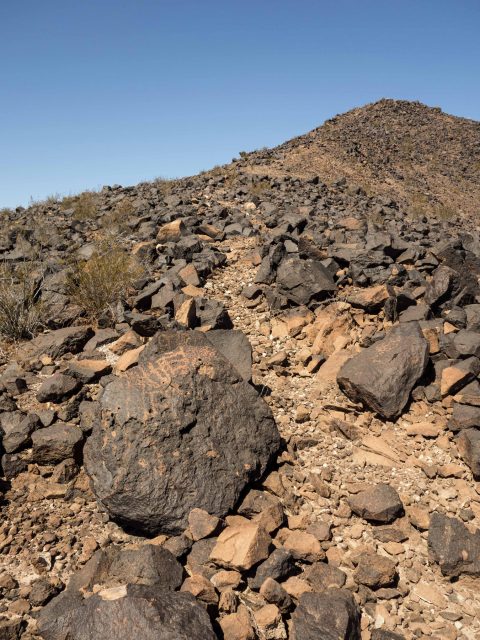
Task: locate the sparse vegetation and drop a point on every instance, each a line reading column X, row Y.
column 22, row 313
column 85, row 205
column 99, row 284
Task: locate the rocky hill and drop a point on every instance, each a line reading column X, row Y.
column 245, row 405
column 423, row 158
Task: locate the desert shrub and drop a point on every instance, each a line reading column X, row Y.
column 22, row 314
column 84, row 205
column 116, row 220
column 100, row 283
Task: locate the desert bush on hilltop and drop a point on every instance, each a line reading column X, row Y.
column 100, row 283
column 22, row 314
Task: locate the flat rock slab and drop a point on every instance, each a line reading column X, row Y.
column 180, row 431
column 383, row 375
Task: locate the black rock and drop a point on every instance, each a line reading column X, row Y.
column 383, row 375
column 279, row 565
column 468, row 443
column 56, row 443
column 57, row 388
column 181, row 430
column 16, row 428
column 303, row 281
column 133, row 611
column 453, row 547
column 331, row 615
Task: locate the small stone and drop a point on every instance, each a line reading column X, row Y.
column 380, row 503
column 202, row 524
column 375, row 571
column 241, row 546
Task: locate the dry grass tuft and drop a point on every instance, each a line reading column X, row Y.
column 22, row 314
column 98, row 285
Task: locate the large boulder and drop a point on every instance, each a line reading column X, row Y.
column 180, row 431
column 129, row 611
column 383, row 375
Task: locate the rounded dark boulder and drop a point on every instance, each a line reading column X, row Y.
column 182, row 430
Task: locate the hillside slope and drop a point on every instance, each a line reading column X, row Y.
column 425, row 159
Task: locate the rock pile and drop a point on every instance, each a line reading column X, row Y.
column 277, row 437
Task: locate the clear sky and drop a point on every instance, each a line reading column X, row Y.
column 96, row 92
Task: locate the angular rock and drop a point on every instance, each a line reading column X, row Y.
column 202, row 524
column 468, row 443
column 380, row 503
column 178, row 432
column 57, row 388
column 56, row 443
column 375, row 571
column 453, row 547
column 16, row 428
column 241, row 546
column 278, row 566
column 383, row 375
column 458, row 375
column 464, row 416
column 303, row 281
column 58, row 343
column 324, row 576
column 331, row 615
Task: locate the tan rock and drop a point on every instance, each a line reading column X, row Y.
column 296, row 586
column 171, row 232
column 128, row 360
column 192, row 291
column 237, row 626
column 428, row 593
column 190, row 275
column 201, row 588
column 223, row 580
column 129, row 340
column 304, row 546
column 202, row 524
column 425, row 429
column 186, row 314
column 268, row 618
column 420, row 518
column 241, row 546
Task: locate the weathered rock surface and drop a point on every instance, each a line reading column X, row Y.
column 380, row 503
column 453, row 546
column 180, row 431
column 132, row 611
column 332, row 615
column 383, row 375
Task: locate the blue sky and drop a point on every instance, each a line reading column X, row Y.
column 96, row 92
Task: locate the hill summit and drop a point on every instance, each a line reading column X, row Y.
column 426, row 159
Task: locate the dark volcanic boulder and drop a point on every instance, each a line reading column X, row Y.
column 302, row 281
column 383, row 375
column 331, row 615
column 181, row 430
column 453, row 546
column 131, row 611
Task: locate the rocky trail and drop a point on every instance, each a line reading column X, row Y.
column 250, row 409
